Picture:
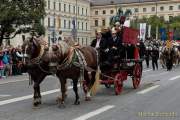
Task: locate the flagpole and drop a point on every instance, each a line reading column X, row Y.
column 76, row 22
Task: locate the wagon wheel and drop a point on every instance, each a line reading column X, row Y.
column 118, row 83
column 137, row 73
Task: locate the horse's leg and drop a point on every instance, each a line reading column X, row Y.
column 86, row 84
column 37, row 92
column 75, row 88
column 36, row 101
column 61, row 99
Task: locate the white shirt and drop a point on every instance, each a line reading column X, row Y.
column 97, row 43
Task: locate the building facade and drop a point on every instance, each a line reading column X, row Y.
column 60, row 16
column 101, row 11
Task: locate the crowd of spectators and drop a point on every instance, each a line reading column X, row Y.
column 10, row 63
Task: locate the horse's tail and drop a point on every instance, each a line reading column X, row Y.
column 96, row 84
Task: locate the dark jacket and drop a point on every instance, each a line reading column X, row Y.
column 155, row 54
column 116, row 43
column 102, row 45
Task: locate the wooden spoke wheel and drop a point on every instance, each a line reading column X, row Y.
column 118, row 83
column 137, row 73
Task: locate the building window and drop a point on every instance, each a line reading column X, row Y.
column 82, row 11
column 136, row 10
column 65, row 24
column 144, row 9
column 69, row 24
column 59, row 6
column 54, row 25
column 82, row 41
column 74, row 9
column 86, row 26
column 170, row 7
column 153, row 9
column 64, row 7
column 96, row 12
column 86, row 40
column 170, row 18
column 49, row 22
column 69, row 8
column 104, row 11
column 78, row 10
column 96, row 22
column 59, row 21
column 78, row 25
column 103, row 22
column 86, row 12
column 82, row 25
column 161, row 17
column 54, row 5
column 112, row 11
column 49, row 4
column 161, row 8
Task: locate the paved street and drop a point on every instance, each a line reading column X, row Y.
column 156, row 99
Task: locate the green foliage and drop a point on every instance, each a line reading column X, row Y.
column 16, row 15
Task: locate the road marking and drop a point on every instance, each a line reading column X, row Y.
column 174, row 78
column 13, row 81
column 147, row 70
column 148, row 89
column 159, row 74
column 3, row 96
column 94, row 113
column 29, row 96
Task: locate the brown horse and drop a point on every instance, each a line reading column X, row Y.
column 76, row 63
column 46, row 61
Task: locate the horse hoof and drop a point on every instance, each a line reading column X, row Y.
column 35, row 104
column 62, row 106
column 77, row 102
column 87, row 99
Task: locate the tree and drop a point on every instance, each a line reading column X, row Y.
column 156, row 22
column 17, row 16
column 120, row 13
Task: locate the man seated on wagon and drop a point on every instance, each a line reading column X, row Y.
column 114, row 44
column 101, row 45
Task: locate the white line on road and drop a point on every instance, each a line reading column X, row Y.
column 147, row 70
column 3, row 96
column 94, row 113
column 174, row 78
column 148, row 89
column 12, row 81
column 29, row 96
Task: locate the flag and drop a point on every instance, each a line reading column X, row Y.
column 163, row 34
column 142, row 31
column 74, row 29
column 149, row 31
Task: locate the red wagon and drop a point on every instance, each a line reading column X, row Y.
column 124, row 67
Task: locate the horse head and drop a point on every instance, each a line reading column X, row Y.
column 30, row 48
